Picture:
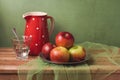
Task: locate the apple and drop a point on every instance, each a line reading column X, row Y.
column 64, row 39
column 59, row 54
column 77, row 53
column 47, row 47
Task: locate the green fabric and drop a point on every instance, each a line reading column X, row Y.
column 62, row 72
column 82, row 71
column 109, row 53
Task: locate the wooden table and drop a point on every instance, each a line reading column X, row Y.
column 9, row 65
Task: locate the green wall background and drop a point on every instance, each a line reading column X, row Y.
column 87, row 20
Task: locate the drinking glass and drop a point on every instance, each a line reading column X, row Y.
column 21, row 47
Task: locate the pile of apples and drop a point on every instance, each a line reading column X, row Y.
column 64, row 49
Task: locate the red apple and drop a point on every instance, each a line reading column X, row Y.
column 59, row 54
column 64, row 39
column 46, row 49
column 77, row 53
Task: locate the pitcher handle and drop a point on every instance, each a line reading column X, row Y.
column 52, row 24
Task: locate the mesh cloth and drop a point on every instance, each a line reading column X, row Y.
column 102, row 58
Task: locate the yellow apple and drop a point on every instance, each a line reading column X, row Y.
column 77, row 53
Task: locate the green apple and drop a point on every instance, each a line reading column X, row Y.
column 77, row 53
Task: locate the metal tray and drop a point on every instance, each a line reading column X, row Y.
column 65, row 63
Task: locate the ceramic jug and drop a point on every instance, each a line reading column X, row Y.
column 37, row 28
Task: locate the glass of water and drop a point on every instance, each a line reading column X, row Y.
column 21, row 47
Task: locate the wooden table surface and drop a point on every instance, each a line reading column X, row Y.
column 9, row 65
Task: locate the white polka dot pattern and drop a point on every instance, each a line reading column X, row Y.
column 33, row 19
column 27, row 26
column 37, row 28
column 30, row 35
column 42, row 19
column 36, row 44
column 43, row 36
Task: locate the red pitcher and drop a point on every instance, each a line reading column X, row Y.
column 36, row 28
